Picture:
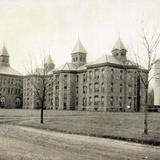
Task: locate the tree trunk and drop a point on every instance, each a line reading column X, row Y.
column 42, row 105
column 146, row 113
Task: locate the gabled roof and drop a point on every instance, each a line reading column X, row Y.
column 78, row 48
column 9, row 71
column 4, row 51
column 67, row 67
column 119, row 45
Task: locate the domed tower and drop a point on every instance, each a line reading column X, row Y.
column 49, row 65
column 119, row 50
column 79, row 54
column 4, row 57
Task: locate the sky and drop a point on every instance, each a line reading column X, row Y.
column 31, row 29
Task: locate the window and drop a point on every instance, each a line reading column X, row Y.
column 65, row 103
column 102, row 87
column 77, row 89
column 65, row 87
column 129, row 85
column 84, row 89
column 90, row 88
column 90, row 100
column 96, row 100
column 56, row 101
column 76, row 100
column 121, row 74
column 102, row 100
column 96, row 87
column 18, row 102
column 84, row 101
column 111, row 100
column 56, row 77
column 112, row 73
column 84, row 77
column 120, row 101
column 65, row 77
column 2, row 100
column 103, row 72
column 120, row 89
column 96, row 74
column 77, row 78
column 90, row 74
column 111, row 86
column 65, row 98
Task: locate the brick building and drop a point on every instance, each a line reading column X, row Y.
column 111, row 83
column 11, row 82
column 33, row 84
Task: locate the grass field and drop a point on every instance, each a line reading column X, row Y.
column 120, row 125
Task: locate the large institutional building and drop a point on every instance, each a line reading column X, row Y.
column 110, row 83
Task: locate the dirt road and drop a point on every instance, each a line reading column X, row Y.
column 20, row 143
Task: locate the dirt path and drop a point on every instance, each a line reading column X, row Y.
column 21, row 143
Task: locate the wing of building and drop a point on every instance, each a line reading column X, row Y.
column 11, row 83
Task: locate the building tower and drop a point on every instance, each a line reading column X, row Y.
column 119, row 51
column 79, row 54
column 4, row 57
column 49, row 65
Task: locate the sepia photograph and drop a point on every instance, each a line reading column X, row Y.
column 79, row 79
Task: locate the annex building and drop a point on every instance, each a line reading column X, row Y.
column 110, row 83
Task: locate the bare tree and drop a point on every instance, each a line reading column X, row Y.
column 150, row 43
column 40, row 80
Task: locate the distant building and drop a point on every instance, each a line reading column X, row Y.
column 30, row 97
column 11, row 83
column 154, row 88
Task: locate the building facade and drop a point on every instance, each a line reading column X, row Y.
column 111, row 83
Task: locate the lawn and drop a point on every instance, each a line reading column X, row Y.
column 118, row 125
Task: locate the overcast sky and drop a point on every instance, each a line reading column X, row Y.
column 37, row 27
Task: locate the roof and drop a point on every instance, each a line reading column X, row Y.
column 4, row 51
column 110, row 59
column 68, row 67
column 9, row 71
column 78, row 48
column 82, row 67
column 119, row 45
